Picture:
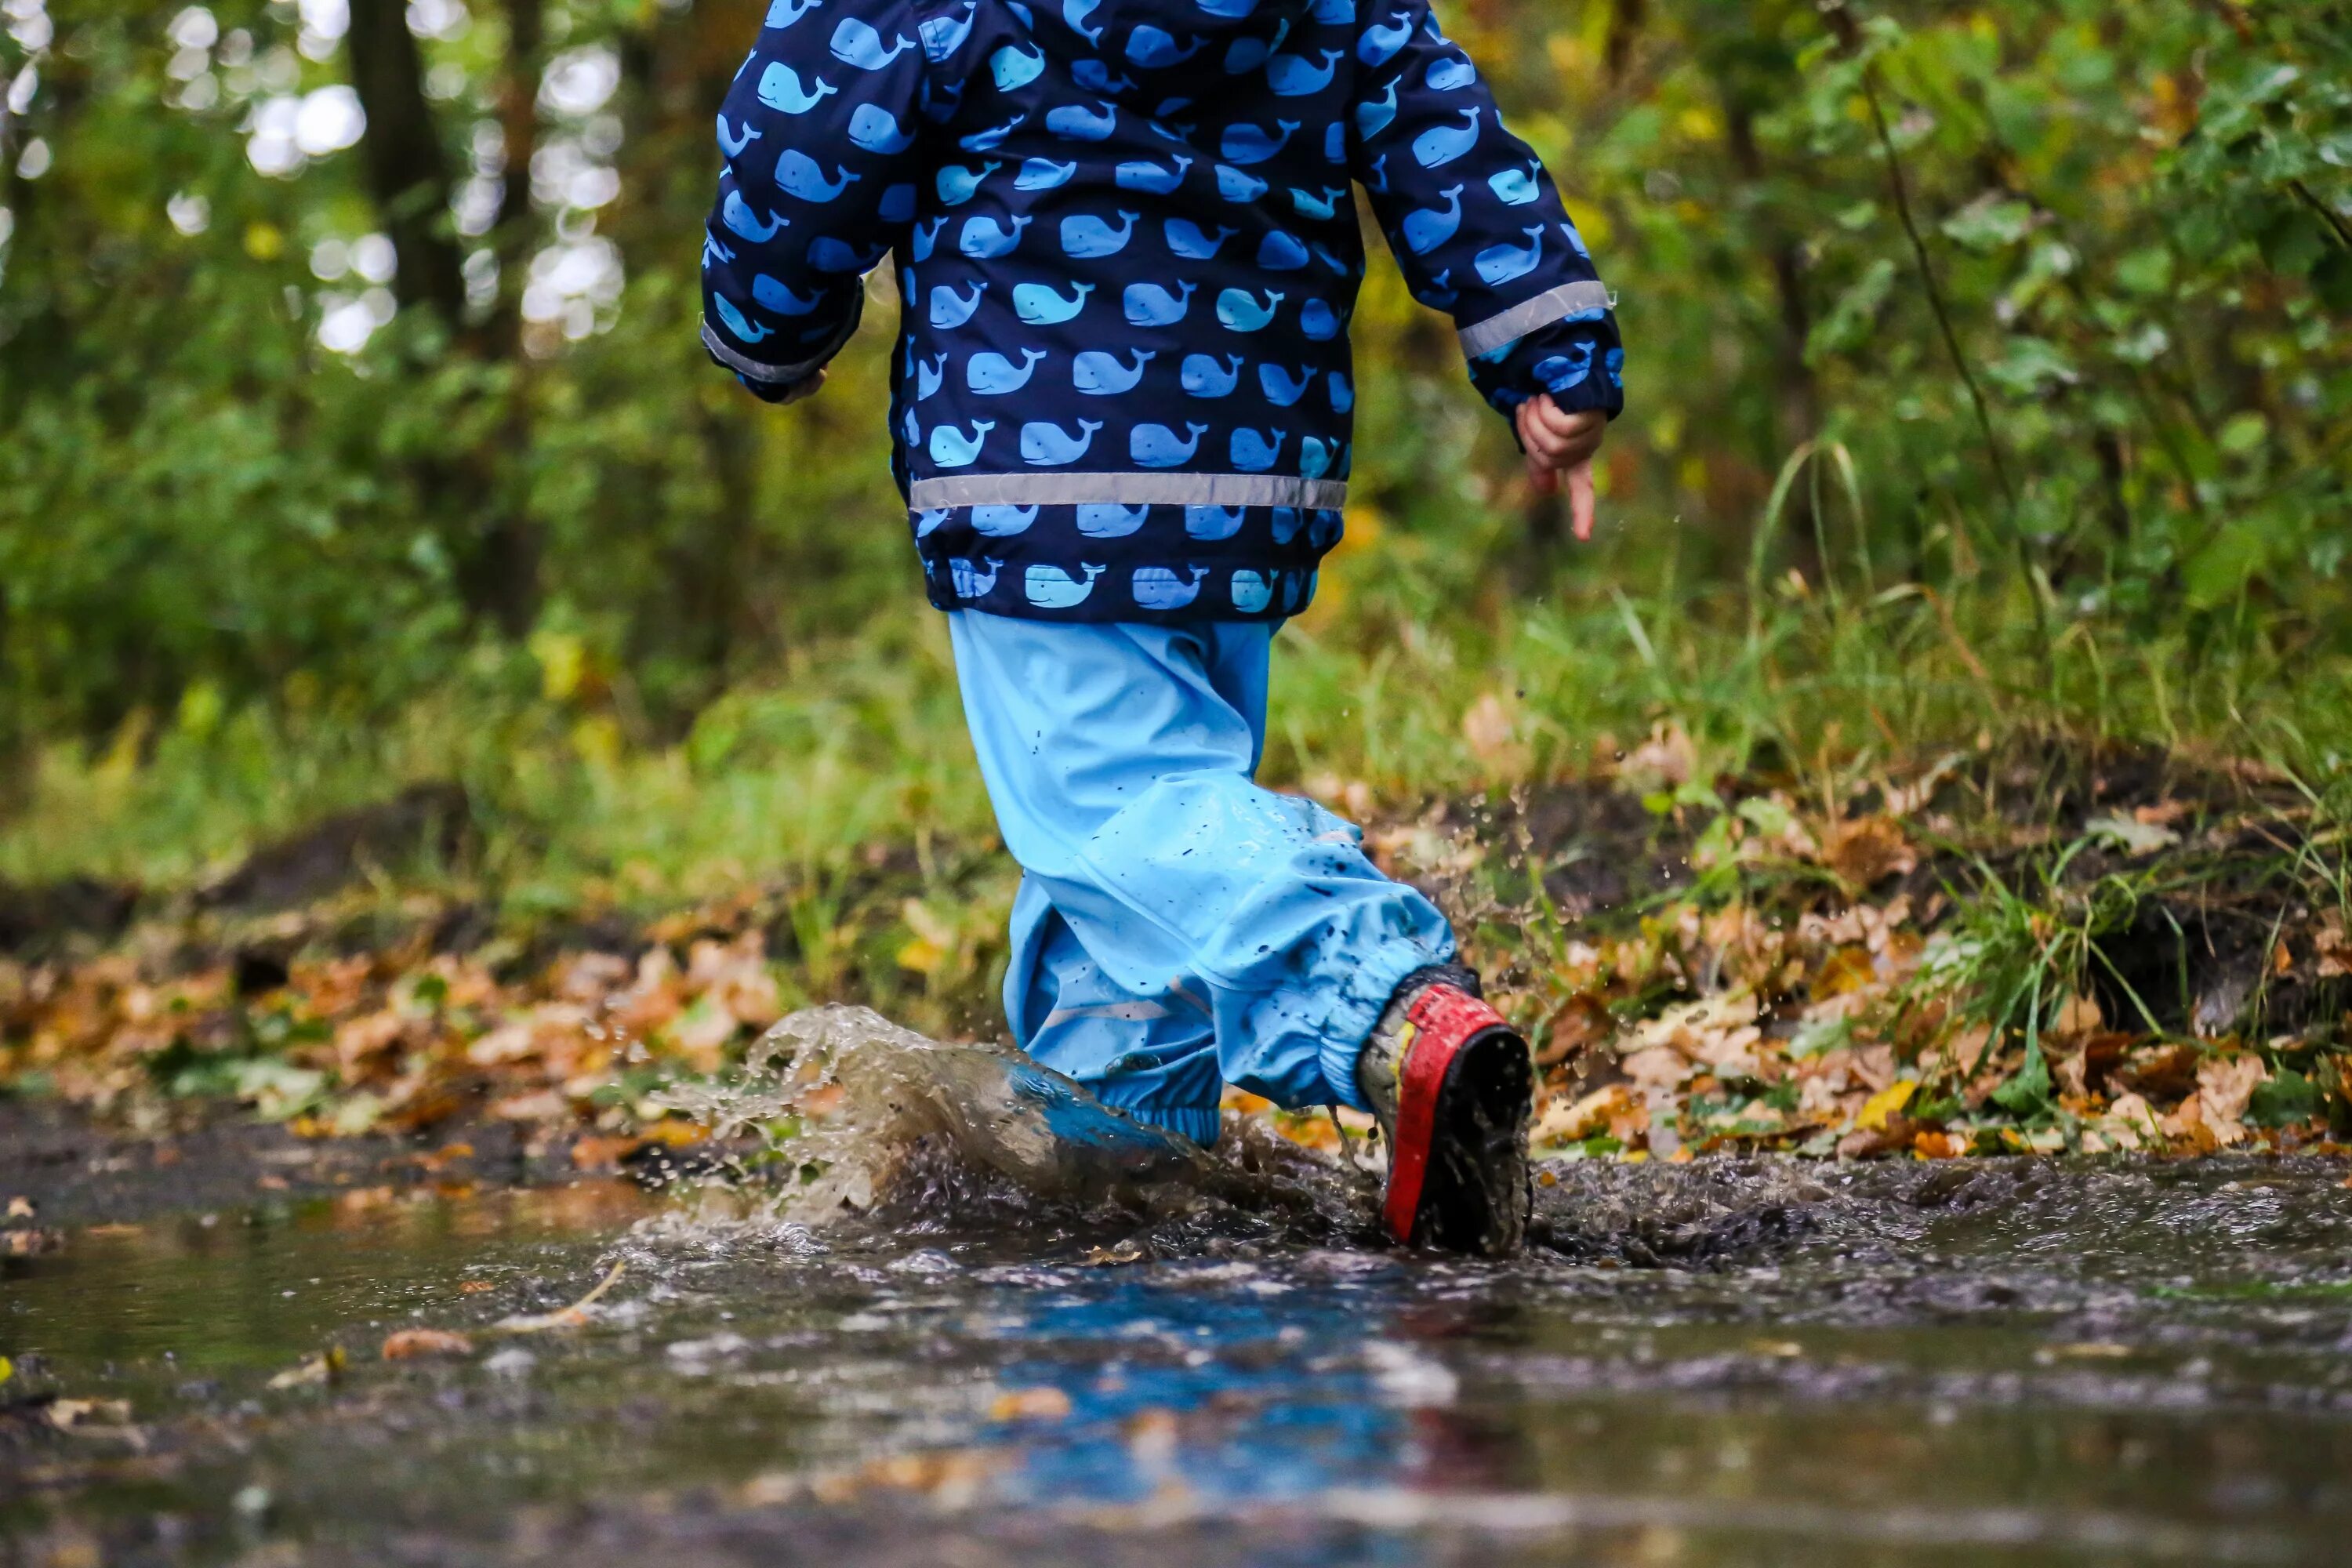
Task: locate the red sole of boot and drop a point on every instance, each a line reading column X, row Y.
column 1458, row 1176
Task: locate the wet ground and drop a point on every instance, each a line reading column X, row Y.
column 1716, row 1364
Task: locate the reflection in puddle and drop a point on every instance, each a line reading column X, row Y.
column 2015, row 1363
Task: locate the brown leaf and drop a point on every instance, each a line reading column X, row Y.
column 415, row 1344
column 2159, row 1072
column 2335, row 950
column 1896, row 1133
column 1563, row 1122
column 1867, row 851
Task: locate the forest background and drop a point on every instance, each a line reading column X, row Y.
column 1988, row 389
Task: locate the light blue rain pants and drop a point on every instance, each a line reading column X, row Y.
column 1177, row 928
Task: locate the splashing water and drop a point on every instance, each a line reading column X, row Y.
column 839, row 1111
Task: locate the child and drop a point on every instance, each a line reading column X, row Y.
column 1128, row 251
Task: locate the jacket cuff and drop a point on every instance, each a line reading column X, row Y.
column 1578, row 362
column 783, row 383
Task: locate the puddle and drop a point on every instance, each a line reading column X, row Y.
column 1719, row 1363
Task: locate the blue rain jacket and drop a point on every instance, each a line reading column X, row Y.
column 1127, row 250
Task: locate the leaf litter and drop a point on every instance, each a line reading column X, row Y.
column 2053, row 951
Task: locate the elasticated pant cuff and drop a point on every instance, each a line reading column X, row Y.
column 1357, row 1011
column 1200, row 1123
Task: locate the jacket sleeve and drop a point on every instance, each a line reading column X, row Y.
column 1475, row 222
column 819, row 133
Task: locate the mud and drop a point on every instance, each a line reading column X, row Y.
column 981, row 1355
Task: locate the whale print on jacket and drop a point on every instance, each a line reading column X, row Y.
column 949, row 308
column 1203, row 376
column 1240, row 310
column 1040, row 305
column 1189, row 240
column 1157, row 447
column 1086, row 238
column 829, row 254
column 1099, row 374
column 1093, row 205
column 1292, row 75
column 985, row 239
column 1053, row 588
column 778, row 299
column 732, row 143
column 856, row 43
column 970, row 581
column 1152, row 177
column 1044, row 445
column 1015, row 66
column 800, row 176
column 877, row 129
column 959, row 185
column 1159, row 588
column 1281, row 389
column 741, row 221
column 1002, row 522
column 1043, row 175
column 1112, row 521
column 781, row 90
column 993, row 375
column 951, row 448
column 1239, row 187
column 1152, row 305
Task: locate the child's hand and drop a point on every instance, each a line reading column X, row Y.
column 1559, row 444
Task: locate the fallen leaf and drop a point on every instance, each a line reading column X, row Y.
column 1896, row 1133
column 65, row 1415
column 1030, row 1405
column 2130, row 834
column 1664, row 761
column 1565, row 1124
column 1885, row 1103
column 324, row 1367
column 593, row 1153
column 2335, row 950
column 1867, row 851
column 412, row 1344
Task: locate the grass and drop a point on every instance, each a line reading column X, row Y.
column 1386, row 683
column 822, row 835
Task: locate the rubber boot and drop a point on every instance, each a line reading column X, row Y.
column 1452, row 1086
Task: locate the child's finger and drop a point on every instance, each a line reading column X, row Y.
column 1585, row 421
column 1542, row 478
column 1539, row 439
column 1580, row 500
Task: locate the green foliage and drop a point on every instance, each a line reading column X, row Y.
column 549, row 526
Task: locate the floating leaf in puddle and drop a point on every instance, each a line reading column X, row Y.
column 415, row 1344
column 314, row 1371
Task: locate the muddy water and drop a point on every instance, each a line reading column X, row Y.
column 1716, row 1364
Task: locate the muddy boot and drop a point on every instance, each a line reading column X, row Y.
column 1452, row 1086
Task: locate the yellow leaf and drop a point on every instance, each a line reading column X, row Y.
column 922, row 956
column 1885, row 1103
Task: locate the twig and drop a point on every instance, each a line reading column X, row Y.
column 2330, row 215
column 571, row 1317
column 1849, row 36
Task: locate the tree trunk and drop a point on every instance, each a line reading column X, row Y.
column 407, row 172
